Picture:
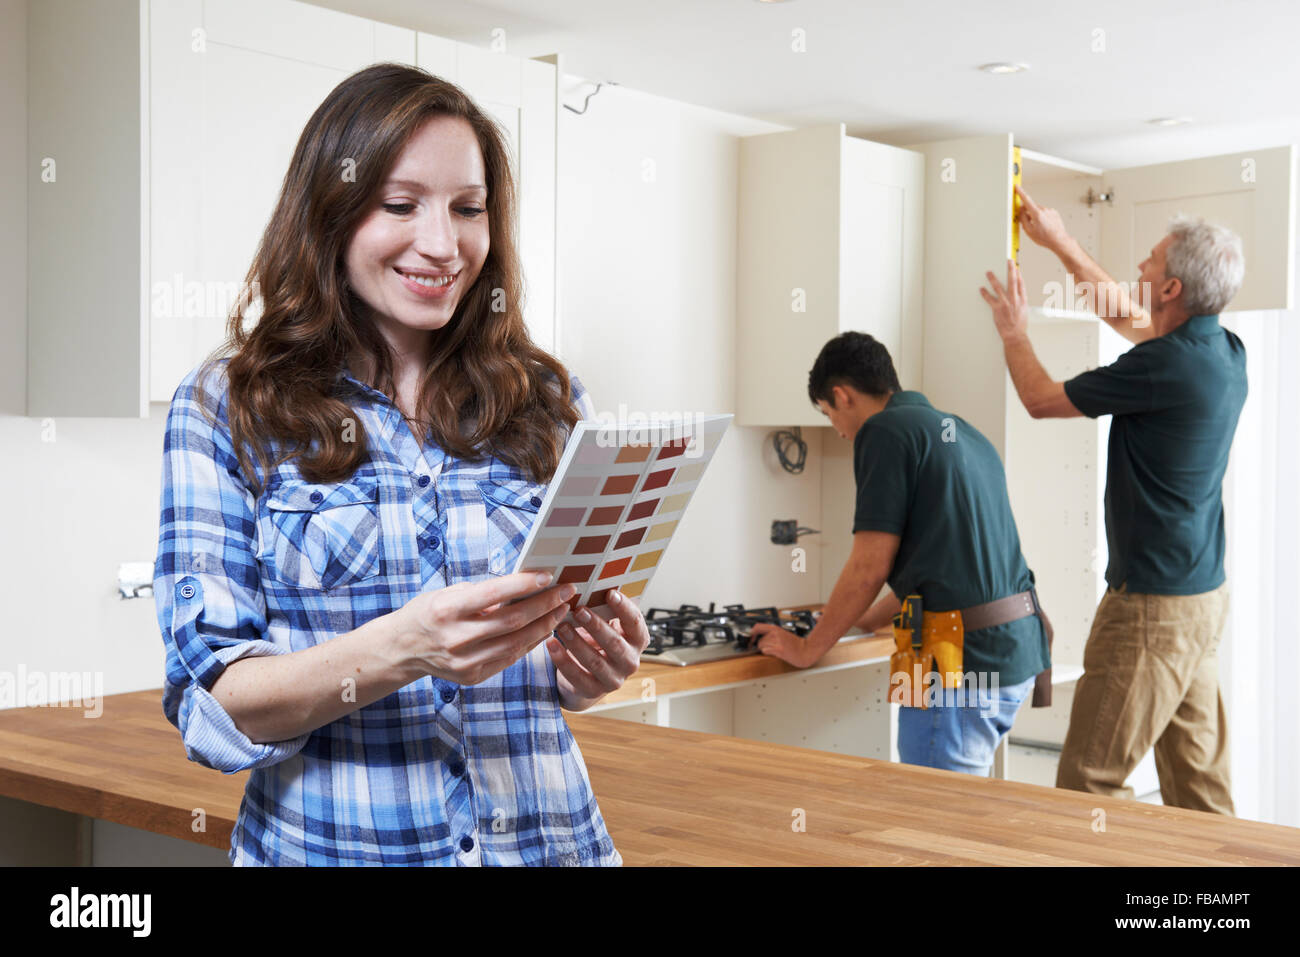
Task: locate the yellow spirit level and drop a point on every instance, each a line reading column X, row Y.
column 1015, row 204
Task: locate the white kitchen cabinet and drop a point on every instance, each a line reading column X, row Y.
column 829, row 240
column 1056, row 468
column 171, row 124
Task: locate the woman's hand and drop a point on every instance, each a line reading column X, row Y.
column 466, row 633
column 595, row 659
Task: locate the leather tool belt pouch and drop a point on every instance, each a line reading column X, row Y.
column 932, row 642
column 926, row 642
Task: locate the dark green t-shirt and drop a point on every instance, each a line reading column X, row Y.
column 932, row 479
column 1175, row 401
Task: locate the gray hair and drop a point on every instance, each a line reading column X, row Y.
column 1208, row 260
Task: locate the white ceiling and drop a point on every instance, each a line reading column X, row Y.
column 905, row 73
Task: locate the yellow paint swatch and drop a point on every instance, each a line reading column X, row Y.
column 646, row 560
column 688, row 473
column 632, row 589
column 661, row 531
column 674, row 503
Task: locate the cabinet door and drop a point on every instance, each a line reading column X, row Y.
column 522, row 96
column 828, row 240
column 87, row 209
column 229, row 104
column 882, row 248
column 787, row 269
column 1252, row 193
column 967, row 232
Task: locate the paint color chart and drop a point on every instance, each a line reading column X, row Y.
column 613, row 505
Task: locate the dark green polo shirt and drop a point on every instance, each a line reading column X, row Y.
column 1175, row 401
column 932, row 479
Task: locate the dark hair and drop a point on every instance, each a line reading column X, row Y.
column 486, row 387
column 856, row 359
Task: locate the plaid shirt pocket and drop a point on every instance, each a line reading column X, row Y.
column 321, row 536
column 512, row 505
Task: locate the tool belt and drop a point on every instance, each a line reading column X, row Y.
column 930, row 642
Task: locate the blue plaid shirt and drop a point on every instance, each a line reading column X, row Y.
column 435, row 773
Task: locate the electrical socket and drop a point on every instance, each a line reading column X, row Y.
column 784, row 532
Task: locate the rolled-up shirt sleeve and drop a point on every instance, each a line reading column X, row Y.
column 207, row 590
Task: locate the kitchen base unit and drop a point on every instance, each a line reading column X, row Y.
column 841, row 704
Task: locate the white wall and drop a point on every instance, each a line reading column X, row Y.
column 1260, row 654
column 647, row 250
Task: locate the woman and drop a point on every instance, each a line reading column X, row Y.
column 343, row 496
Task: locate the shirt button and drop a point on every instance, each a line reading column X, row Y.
column 456, row 768
column 186, row 590
column 467, row 844
column 448, row 694
column 537, row 502
column 433, row 542
column 316, row 498
column 422, row 481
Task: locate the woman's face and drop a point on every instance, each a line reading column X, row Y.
column 420, row 248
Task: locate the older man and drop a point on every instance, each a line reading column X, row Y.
column 1150, row 664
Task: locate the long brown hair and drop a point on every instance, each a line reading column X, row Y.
column 486, row 389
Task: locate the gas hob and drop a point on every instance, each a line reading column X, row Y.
column 690, row 634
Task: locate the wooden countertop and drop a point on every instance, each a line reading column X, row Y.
column 668, row 797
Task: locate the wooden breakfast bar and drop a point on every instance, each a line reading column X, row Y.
column 669, row 797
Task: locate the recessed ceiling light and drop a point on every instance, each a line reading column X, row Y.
column 1005, row 67
column 1170, row 120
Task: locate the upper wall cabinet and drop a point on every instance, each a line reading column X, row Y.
column 830, row 240
column 160, row 133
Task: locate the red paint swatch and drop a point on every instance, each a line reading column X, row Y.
column 605, row 516
column 675, row 447
column 657, row 479
column 616, row 567
column 628, row 539
column 640, row 510
column 591, row 544
column 619, row 485
column 575, row 573
column 598, row 598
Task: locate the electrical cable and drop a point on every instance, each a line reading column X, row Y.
column 588, row 99
column 783, row 441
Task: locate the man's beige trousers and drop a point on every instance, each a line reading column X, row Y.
column 1151, row 679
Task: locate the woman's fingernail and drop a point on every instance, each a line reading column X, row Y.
column 615, row 596
column 584, row 615
column 544, row 579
